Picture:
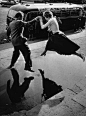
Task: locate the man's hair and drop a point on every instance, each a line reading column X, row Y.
column 18, row 15
column 48, row 14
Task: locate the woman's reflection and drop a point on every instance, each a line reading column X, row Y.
column 16, row 91
column 50, row 88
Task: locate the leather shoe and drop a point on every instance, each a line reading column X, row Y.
column 28, row 69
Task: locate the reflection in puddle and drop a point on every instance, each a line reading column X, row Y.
column 16, row 95
column 50, row 88
column 24, row 95
column 16, row 91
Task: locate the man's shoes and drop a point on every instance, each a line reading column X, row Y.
column 28, row 69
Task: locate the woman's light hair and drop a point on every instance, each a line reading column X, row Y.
column 47, row 14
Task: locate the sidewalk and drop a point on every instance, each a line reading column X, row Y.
column 68, row 71
column 35, row 47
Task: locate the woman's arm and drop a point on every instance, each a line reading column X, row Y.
column 35, row 19
column 31, row 21
column 43, row 26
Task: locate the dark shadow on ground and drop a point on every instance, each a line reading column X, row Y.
column 16, row 92
column 50, row 88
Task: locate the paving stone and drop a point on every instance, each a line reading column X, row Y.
column 81, row 98
column 82, row 83
column 76, row 89
column 73, row 105
column 67, row 93
column 34, row 111
column 82, row 113
column 3, row 53
column 55, row 111
column 76, row 107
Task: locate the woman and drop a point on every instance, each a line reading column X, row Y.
column 58, row 41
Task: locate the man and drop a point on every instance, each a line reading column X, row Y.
column 19, row 42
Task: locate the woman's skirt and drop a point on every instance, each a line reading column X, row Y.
column 61, row 44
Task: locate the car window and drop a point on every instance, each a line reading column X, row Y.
column 12, row 13
column 32, row 14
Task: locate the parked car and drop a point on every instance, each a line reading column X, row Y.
column 8, row 3
column 71, row 16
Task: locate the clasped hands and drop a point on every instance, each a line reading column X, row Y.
column 38, row 18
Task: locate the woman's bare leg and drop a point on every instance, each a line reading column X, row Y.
column 80, row 55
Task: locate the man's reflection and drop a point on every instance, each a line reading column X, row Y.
column 16, row 91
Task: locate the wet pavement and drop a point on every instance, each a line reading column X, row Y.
column 63, row 70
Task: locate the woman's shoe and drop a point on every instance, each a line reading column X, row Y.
column 44, row 53
column 83, row 57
